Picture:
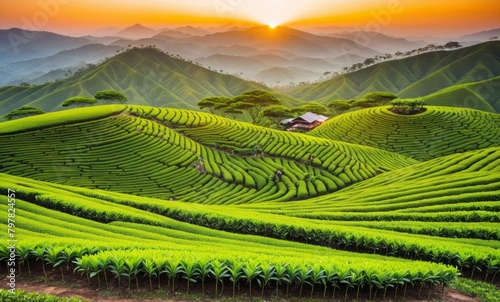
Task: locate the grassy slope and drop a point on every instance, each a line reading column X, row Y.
column 138, row 151
column 482, row 95
column 141, row 145
column 465, row 182
column 416, row 76
column 42, row 226
column 437, row 132
column 129, row 209
column 146, row 76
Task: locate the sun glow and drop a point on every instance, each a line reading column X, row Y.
column 272, row 25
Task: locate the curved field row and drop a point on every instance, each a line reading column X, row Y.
column 247, row 139
column 61, row 240
column 459, row 252
column 138, row 151
column 74, row 199
column 439, row 131
column 467, row 182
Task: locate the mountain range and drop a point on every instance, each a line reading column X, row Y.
column 145, row 76
column 465, row 77
column 461, row 70
column 216, row 47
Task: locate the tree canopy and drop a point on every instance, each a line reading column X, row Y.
column 380, row 97
column 339, row 106
column 214, row 103
column 110, row 96
column 79, row 101
column 313, row 107
column 232, row 112
column 372, row 99
column 408, row 106
column 23, row 112
column 276, row 113
column 253, row 102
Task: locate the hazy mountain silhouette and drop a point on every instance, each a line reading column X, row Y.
column 18, row 44
column 136, row 31
column 146, row 76
column 28, row 69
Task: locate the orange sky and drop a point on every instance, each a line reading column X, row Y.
column 398, row 17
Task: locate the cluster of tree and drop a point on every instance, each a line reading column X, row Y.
column 105, row 96
column 398, row 54
column 82, row 70
column 370, row 61
column 327, row 75
column 23, row 112
column 372, row 99
column 261, row 106
column 252, row 102
column 408, row 106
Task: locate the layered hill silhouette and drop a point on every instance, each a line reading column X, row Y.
column 18, row 44
column 66, row 59
column 286, row 39
column 420, row 75
column 146, row 76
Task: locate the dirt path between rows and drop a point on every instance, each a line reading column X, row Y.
column 89, row 294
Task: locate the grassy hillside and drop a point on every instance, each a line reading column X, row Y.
column 145, row 76
column 416, row 76
column 156, row 198
column 482, row 95
column 437, row 132
column 55, row 223
column 450, row 188
column 216, row 160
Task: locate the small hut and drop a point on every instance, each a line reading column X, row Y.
column 306, row 121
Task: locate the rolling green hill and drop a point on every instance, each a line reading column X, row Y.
column 437, row 132
column 218, row 160
column 81, row 228
column 152, row 198
column 145, row 76
column 464, row 182
column 483, row 95
column 420, row 75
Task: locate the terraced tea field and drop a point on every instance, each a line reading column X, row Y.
column 215, row 159
column 140, row 198
column 437, row 132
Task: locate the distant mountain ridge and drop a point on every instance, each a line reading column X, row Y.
column 482, row 36
column 19, row 44
column 380, row 42
column 145, row 76
column 136, row 31
column 67, row 59
column 420, row 75
column 286, row 39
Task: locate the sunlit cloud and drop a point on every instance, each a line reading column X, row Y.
column 420, row 17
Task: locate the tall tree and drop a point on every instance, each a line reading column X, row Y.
column 110, row 96
column 380, row 97
column 232, row 112
column 276, row 113
column 254, row 102
column 339, row 106
column 313, row 107
column 23, row 112
column 213, row 103
column 79, row 101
